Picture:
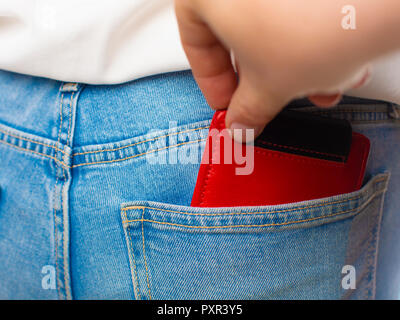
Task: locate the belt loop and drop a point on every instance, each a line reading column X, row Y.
column 69, row 87
column 69, row 93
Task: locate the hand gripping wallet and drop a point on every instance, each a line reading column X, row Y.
column 299, row 156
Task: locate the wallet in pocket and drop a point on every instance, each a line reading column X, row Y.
column 299, row 156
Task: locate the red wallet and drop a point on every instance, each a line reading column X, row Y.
column 298, row 157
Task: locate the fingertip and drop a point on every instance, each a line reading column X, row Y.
column 252, row 108
column 326, row 101
column 242, row 133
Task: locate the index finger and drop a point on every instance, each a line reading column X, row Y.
column 210, row 60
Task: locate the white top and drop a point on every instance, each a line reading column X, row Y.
column 114, row 41
column 90, row 41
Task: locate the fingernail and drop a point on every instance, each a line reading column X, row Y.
column 243, row 133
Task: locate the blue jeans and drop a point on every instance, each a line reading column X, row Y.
column 95, row 191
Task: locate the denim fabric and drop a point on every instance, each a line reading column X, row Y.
column 96, row 182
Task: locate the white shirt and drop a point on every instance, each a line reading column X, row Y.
column 114, row 41
column 385, row 80
column 90, row 41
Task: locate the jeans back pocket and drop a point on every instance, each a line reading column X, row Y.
column 320, row 249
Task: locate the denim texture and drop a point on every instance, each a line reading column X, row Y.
column 96, row 181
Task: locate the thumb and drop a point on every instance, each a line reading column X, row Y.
column 251, row 108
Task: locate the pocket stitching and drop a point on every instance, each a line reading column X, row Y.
column 260, row 212
column 356, row 210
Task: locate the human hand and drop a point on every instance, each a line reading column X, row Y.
column 284, row 50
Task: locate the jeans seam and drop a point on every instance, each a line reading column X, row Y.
column 63, row 178
column 141, row 142
column 33, row 141
column 67, row 160
column 375, row 250
column 65, row 256
column 144, row 257
column 35, row 152
column 56, row 238
column 66, row 166
column 134, row 275
column 138, row 155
